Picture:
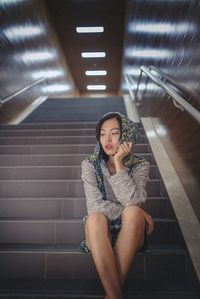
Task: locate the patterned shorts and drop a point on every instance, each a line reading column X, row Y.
column 114, row 229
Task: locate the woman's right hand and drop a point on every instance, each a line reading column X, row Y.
column 123, row 150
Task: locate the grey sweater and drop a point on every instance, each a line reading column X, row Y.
column 121, row 189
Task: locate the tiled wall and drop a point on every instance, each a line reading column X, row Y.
column 28, row 51
column 166, row 34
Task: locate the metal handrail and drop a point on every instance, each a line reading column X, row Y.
column 180, row 100
column 21, row 90
column 173, row 82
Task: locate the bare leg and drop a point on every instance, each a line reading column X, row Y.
column 98, row 241
column 130, row 239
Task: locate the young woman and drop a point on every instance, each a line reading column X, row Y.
column 114, row 182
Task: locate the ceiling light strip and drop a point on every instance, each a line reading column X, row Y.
column 96, row 87
column 96, row 29
column 93, row 54
column 96, row 73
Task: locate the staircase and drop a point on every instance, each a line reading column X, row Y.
column 41, row 208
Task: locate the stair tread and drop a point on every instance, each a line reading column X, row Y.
column 63, row 285
column 51, row 136
column 64, row 180
column 47, row 166
column 46, row 247
column 91, row 289
column 153, row 248
column 70, row 198
column 75, row 220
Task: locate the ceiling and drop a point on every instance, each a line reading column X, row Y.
column 67, row 15
column 39, row 40
column 136, row 32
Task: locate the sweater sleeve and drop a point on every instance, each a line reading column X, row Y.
column 94, row 198
column 130, row 190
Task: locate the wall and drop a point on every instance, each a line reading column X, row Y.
column 166, row 34
column 29, row 50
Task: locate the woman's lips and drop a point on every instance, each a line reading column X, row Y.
column 108, row 147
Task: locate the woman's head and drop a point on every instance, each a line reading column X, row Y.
column 108, row 133
column 114, row 128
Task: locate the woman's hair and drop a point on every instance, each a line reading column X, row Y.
column 107, row 116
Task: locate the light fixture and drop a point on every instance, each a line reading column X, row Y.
column 150, row 87
column 48, row 73
column 96, row 29
column 93, row 54
column 37, row 56
column 131, row 70
column 161, row 27
column 96, row 87
column 147, row 53
column 23, row 32
column 96, row 73
column 56, row 88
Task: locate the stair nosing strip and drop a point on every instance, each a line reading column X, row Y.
column 75, row 220
column 64, row 180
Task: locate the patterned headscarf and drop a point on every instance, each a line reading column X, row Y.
column 130, row 133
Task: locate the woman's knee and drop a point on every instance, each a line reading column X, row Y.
column 96, row 223
column 133, row 216
column 96, row 226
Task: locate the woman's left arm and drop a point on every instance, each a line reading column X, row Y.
column 131, row 189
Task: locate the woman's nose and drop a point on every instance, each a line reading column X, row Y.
column 109, row 137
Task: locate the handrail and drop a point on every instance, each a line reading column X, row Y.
column 180, row 100
column 21, row 90
column 173, row 82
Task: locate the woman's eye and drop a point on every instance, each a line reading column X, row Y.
column 116, row 133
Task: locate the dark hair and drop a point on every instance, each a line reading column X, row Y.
column 106, row 116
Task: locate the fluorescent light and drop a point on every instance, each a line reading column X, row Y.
column 161, row 27
column 150, row 87
column 96, row 29
column 47, row 73
column 93, row 54
column 96, row 73
column 56, row 88
column 147, row 53
column 37, row 56
column 96, row 87
column 23, row 31
column 133, row 71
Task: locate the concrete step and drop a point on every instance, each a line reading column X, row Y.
column 53, row 126
column 61, row 188
column 92, row 289
column 55, row 140
column 52, row 132
column 50, row 125
column 44, row 160
column 55, row 262
column 51, row 173
column 53, row 160
column 71, row 231
column 64, row 208
column 48, row 132
column 60, row 149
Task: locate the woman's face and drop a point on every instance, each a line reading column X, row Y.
column 109, row 136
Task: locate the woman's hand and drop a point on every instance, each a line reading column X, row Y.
column 149, row 222
column 123, row 150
